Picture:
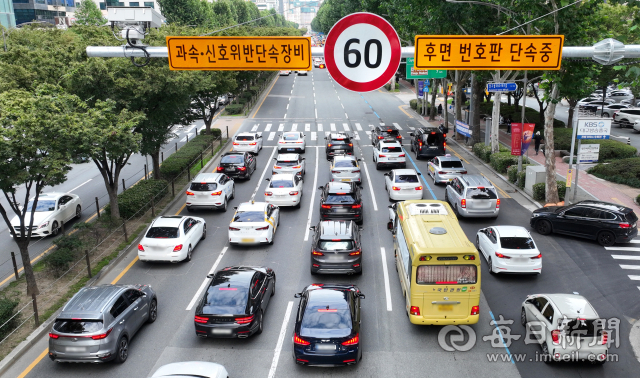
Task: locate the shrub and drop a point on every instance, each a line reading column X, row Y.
column 397, row 85
column 59, row 259
column 623, row 171
column 216, row 133
column 240, row 101
column 484, row 152
column 69, row 241
column 502, row 160
column 7, row 308
column 255, row 89
column 539, row 190
column 522, row 177
column 609, row 149
column 138, row 197
column 178, row 161
column 413, row 104
column 513, row 176
column 530, row 115
column 234, row 108
column 387, row 86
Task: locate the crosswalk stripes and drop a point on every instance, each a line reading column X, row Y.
column 271, row 135
column 260, row 133
column 357, row 137
column 632, row 267
column 358, row 127
column 629, row 258
column 368, row 132
column 314, row 136
column 255, row 127
column 412, row 128
column 346, row 127
column 625, row 257
column 307, row 127
column 281, row 127
column 268, row 128
column 397, row 126
column 294, row 127
column 332, row 126
column 320, row 127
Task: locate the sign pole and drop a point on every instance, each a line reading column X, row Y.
column 575, row 188
column 524, row 101
column 573, row 141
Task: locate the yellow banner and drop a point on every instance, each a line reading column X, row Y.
column 488, row 52
column 239, row 53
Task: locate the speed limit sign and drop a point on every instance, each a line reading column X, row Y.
column 362, row 52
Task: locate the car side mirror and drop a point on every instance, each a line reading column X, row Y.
column 419, row 174
column 361, row 296
column 360, row 159
column 297, row 295
column 449, row 183
column 360, row 228
column 267, row 179
column 410, row 134
column 320, row 187
column 209, row 275
column 390, row 206
column 313, row 228
column 235, row 208
column 275, row 159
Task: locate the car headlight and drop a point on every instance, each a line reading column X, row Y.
column 45, row 224
column 535, row 215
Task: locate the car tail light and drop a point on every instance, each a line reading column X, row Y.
column 356, row 171
column 262, row 228
column 500, row 255
column 349, row 361
column 445, row 145
column 253, row 143
column 350, row 144
column 217, row 193
column 624, row 225
column 382, row 155
column 379, row 137
column 605, row 338
column 190, row 193
column 102, row 335
column 335, row 171
column 277, row 167
column 399, row 137
column 464, row 172
column 281, row 142
column 353, row 341
column 317, row 253
column 442, row 173
column 245, row 320
column 201, row 319
column 498, row 203
column 463, row 204
column 326, row 206
column 234, row 229
column 395, row 188
column 475, row 310
column 329, row 145
column 299, row 340
column 356, row 206
column 219, row 169
column 268, row 194
column 53, row 336
column 537, row 257
column 418, row 188
column 293, row 193
column 414, row 310
column 299, row 142
column 177, row 248
column 297, row 167
column 444, row 135
column 420, row 144
column 236, row 143
column 433, row 133
column 401, row 155
column 555, row 336
column 356, row 253
column 242, row 168
column 140, row 248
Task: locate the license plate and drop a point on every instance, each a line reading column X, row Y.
column 291, row 149
column 393, row 158
column 221, row 331
column 76, row 349
column 325, row 347
column 248, row 240
column 433, row 148
column 340, row 210
column 345, row 179
column 230, row 169
column 445, row 308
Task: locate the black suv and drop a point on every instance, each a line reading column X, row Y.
column 428, row 142
column 336, row 248
column 341, row 200
column 338, row 144
column 237, row 164
column 386, row 134
column 605, row 222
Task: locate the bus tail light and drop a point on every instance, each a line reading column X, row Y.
column 475, row 310
column 415, row 310
column 469, row 257
column 425, row 258
column 463, row 204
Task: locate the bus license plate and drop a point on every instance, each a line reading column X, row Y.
column 445, row 308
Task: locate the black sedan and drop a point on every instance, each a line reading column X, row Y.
column 341, row 201
column 235, row 302
column 327, row 329
column 237, row 164
column 605, row 222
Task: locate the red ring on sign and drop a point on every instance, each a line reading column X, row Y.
column 362, row 18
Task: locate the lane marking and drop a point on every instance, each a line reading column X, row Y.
column 358, row 127
column 631, row 249
column 265, row 97
column 618, row 201
column 283, row 330
column 316, row 113
column 115, row 280
column 80, row 185
column 255, row 127
column 319, row 126
column 346, row 115
column 313, row 194
column 634, row 267
column 433, row 195
column 294, row 127
column 501, row 338
column 385, row 272
column 413, row 129
column 281, row 127
column 285, row 115
column 626, row 257
column 271, row 135
column 332, row 126
column 314, row 136
column 307, row 127
column 287, row 106
column 634, row 278
column 346, row 127
column 357, row 136
column 404, row 111
column 373, row 196
column 266, row 167
column 268, row 128
column 33, row 364
column 206, row 280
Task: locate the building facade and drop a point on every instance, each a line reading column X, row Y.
column 301, row 11
column 59, row 12
column 103, row 4
column 7, row 17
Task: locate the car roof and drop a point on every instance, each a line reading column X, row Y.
column 344, row 157
column 512, row 231
column 328, row 295
column 475, row 181
column 390, row 144
column 228, row 153
column 202, row 369
column 234, row 276
column 404, row 171
column 252, row 206
column 387, row 127
column 90, row 301
column 336, row 229
column 449, row 158
column 296, row 133
column 573, row 305
column 167, row 221
column 246, row 134
column 283, row 176
column 49, row 196
column 605, row 206
column 338, row 187
column 207, row 177
column 288, row 157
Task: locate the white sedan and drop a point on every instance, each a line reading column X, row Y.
column 51, row 210
column 254, row 223
column 403, row 184
column 249, row 142
column 172, row 238
column 284, row 189
column 202, row 369
column 509, row 249
column 292, row 141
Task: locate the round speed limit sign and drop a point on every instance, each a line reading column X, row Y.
column 362, row 52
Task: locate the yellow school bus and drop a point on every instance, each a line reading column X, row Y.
column 438, row 267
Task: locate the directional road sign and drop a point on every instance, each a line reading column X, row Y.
column 501, row 87
column 488, row 52
column 239, row 53
column 362, row 52
column 412, row 73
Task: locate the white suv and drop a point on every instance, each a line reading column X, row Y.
column 247, row 142
column 389, row 154
column 210, row 190
column 626, row 117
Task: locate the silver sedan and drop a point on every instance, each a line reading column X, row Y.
column 345, row 168
column 289, row 163
column 445, row 168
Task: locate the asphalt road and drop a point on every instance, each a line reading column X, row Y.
column 392, row 346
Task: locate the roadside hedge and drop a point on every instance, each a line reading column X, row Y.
column 138, row 197
column 413, row 104
column 623, row 171
column 609, row 149
column 512, row 175
column 539, row 190
column 234, row 108
column 7, row 309
column 503, row 160
column 484, row 152
column 67, row 251
column 178, row 161
column 530, row 115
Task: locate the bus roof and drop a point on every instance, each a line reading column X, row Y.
column 430, row 227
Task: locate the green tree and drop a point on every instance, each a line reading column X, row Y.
column 187, row 12
column 204, row 104
column 88, row 13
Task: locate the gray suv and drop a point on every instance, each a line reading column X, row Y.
column 97, row 324
column 472, row 196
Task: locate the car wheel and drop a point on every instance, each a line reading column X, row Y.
column 297, row 206
column 78, row 212
column 377, row 166
column 606, row 239
column 359, row 273
column 546, row 357
column 312, row 272
column 204, row 233
column 411, row 147
column 490, row 263
column 153, row 311
column 523, row 317
column 189, row 255
column 224, row 205
column 446, row 195
column 189, row 209
column 271, row 241
column 260, row 323
column 55, row 229
column 543, row 227
column 606, row 115
column 233, row 192
column 122, row 350
column 478, row 243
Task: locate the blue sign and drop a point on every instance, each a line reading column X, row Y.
column 463, row 129
column 420, row 88
column 426, row 82
column 502, row 87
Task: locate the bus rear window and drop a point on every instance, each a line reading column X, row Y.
column 446, row 274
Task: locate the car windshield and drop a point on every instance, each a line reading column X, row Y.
column 244, row 137
column 327, row 315
column 336, row 245
column 584, row 327
column 451, row 164
column 631, row 217
column 389, row 132
column 232, row 159
column 391, row 149
column 226, row 299
column 47, row 205
column 249, row 216
column 345, row 164
column 287, row 163
column 434, row 139
column 291, row 136
column 517, row 243
column 481, row 193
column 339, row 141
column 446, row 274
column 406, row 179
column 77, row 326
column 163, row 233
column 203, row 186
column 340, row 198
column 277, row 183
